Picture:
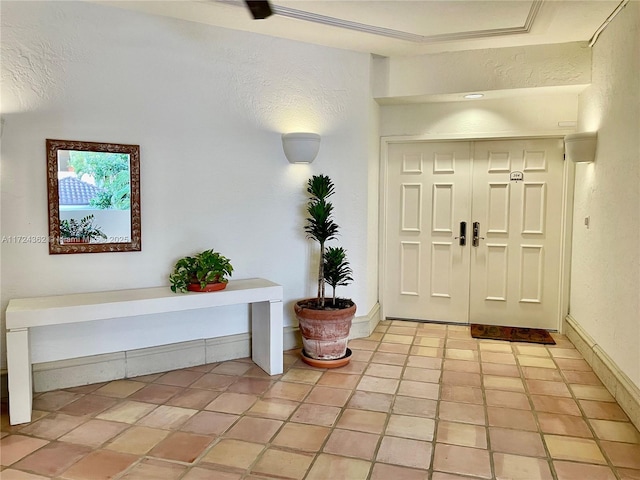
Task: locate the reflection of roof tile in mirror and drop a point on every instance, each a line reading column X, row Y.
column 73, row 191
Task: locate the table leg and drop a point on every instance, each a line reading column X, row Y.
column 20, row 381
column 266, row 336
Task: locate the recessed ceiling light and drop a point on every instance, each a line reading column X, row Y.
column 474, row 95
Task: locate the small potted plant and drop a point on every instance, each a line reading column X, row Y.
column 204, row 272
column 80, row 231
column 325, row 323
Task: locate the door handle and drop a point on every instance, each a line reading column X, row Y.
column 463, row 233
column 476, row 234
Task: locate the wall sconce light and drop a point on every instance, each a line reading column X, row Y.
column 581, row 147
column 301, row 147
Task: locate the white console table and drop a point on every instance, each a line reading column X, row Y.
column 24, row 314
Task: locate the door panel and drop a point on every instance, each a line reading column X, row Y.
column 428, row 196
column 515, row 278
column 511, row 275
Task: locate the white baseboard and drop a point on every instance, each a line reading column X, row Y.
column 74, row 372
column 363, row 326
column 113, row 366
column 626, row 393
column 145, row 361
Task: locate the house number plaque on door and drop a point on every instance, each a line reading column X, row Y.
column 516, row 176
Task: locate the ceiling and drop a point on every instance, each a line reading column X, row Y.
column 401, row 27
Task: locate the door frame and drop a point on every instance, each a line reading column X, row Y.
column 568, row 175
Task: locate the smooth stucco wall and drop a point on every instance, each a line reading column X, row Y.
column 207, row 106
column 605, row 288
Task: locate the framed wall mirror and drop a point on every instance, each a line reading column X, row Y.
column 94, row 197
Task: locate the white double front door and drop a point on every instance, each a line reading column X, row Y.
column 505, row 198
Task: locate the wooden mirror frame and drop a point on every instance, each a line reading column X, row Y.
column 55, row 245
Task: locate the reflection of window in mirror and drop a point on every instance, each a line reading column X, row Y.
column 94, row 197
column 96, row 185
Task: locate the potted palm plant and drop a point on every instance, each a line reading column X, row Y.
column 204, row 272
column 325, row 323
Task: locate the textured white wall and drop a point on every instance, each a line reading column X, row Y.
column 207, row 107
column 605, row 286
column 536, row 114
column 538, row 66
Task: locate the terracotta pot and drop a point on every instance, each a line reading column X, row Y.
column 324, row 332
column 209, row 287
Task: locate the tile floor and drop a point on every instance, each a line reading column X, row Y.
column 417, row 401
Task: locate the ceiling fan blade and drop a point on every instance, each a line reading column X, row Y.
column 260, row 9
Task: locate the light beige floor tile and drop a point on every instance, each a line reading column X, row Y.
column 302, row 375
column 544, row 387
column 462, row 460
column 127, row 412
column 416, row 428
column 570, row 425
column 489, row 346
column 333, row 466
column 429, row 342
column 339, row 380
column 394, row 348
column 274, row 408
column 462, row 413
column 462, row 434
column 459, row 354
column 362, row 420
column 531, row 350
column 426, row 351
column 503, row 383
column 379, row 402
column 461, row 366
column 409, row 388
column 301, row 437
column 518, row 442
column 532, row 361
column 94, row 432
column 382, row 471
column 574, row 449
column 500, row 358
column 316, row 414
column 510, row 417
column 233, row 453
column 167, row 417
column 517, row 400
column 352, row 444
column 592, row 392
column 229, row 402
column 120, row 388
column 328, row 396
column 394, row 338
column 385, row 371
column 290, row 391
column 289, row 465
column 256, row 430
column 517, row 467
column 461, row 394
column 405, row 452
column 421, row 375
column 377, row 384
column 138, row 440
column 615, row 431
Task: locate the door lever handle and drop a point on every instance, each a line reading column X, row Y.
column 476, row 234
column 463, row 234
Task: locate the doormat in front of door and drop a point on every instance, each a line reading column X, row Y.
column 511, row 334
